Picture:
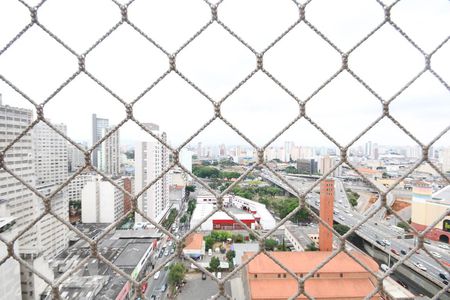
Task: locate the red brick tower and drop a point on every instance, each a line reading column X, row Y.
column 326, row 214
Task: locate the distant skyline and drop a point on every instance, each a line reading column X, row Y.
column 216, row 62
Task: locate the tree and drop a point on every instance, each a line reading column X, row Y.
column 270, row 244
column 209, row 242
column 311, row 247
column 183, row 219
column 190, row 188
column 214, row 264
column 403, row 225
column 230, row 255
column 341, row 229
column 177, row 271
column 237, row 238
column 291, row 169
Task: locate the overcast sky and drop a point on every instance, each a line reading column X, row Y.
column 216, row 62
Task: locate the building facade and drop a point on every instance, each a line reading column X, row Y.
column 98, row 124
column 102, row 202
column 326, row 214
column 109, row 155
column 151, row 159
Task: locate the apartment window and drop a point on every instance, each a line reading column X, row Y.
column 256, row 275
column 279, row 275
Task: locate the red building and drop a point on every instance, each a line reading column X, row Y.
column 326, row 214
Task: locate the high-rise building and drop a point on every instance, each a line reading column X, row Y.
column 50, row 154
column 444, row 158
column 98, row 124
column 326, row 214
column 288, row 147
column 76, row 157
column 101, row 201
column 10, row 269
column 151, row 159
column 368, row 149
column 307, row 166
column 20, row 201
column 109, row 155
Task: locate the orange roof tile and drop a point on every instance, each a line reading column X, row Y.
column 303, row 262
column 194, row 241
column 319, row 288
column 368, row 171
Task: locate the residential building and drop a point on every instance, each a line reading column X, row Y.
column 77, row 184
column 101, row 201
column 98, row 124
column 194, row 246
column 76, row 157
column 109, row 154
column 10, row 269
column 444, row 158
column 20, row 201
column 151, row 160
column 326, row 163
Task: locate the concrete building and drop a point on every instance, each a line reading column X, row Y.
column 50, row 154
column 151, row 159
column 444, row 159
column 98, row 124
column 251, row 213
column 326, row 163
column 340, row 278
column 326, row 214
column 10, row 269
column 109, row 154
column 76, row 157
column 427, row 208
column 77, row 184
column 297, row 237
column 95, row 279
column 307, row 166
column 102, row 202
column 20, row 201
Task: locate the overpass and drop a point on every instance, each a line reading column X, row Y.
column 374, row 230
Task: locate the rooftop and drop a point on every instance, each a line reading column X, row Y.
column 352, row 288
column 194, row 241
column 303, row 262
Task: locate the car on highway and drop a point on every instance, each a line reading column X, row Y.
column 442, row 275
column 420, row 266
column 342, row 218
column 172, row 251
column 219, row 275
column 386, row 242
column 394, row 251
column 442, row 246
column 435, row 254
column 164, row 287
column 203, row 276
column 166, row 252
column 403, row 252
column 380, row 243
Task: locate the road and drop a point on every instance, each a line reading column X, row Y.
column 155, row 286
column 373, row 230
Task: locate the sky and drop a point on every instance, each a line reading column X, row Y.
column 217, row 62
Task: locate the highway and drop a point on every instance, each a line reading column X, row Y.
column 376, row 230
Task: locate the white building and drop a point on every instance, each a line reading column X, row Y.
column 50, row 154
column 77, row 184
column 151, row 159
column 20, row 201
column 102, row 202
column 10, row 269
column 76, row 157
column 98, row 124
column 109, row 155
column 444, row 159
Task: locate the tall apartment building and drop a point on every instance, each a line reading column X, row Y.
column 98, row 124
column 151, row 159
column 326, row 163
column 76, row 157
column 50, row 154
column 101, row 202
column 20, row 201
column 444, row 158
column 10, row 269
column 326, row 214
column 109, row 155
column 307, row 166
